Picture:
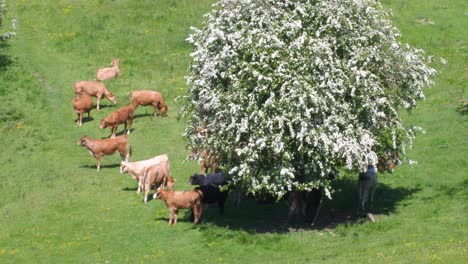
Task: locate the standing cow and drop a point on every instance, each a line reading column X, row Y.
column 100, row 147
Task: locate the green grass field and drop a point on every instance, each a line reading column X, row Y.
column 55, row 207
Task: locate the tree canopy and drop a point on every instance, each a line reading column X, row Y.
column 290, row 92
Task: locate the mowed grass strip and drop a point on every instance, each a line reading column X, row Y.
column 55, row 207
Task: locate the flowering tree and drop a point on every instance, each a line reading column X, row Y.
column 5, row 35
column 290, row 92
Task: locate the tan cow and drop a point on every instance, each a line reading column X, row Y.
column 157, row 175
column 148, row 97
column 82, row 104
column 123, row 115
column 176, row 200
column 137, row 168
column 100, row 147
column 95, row 89
column 109, row 73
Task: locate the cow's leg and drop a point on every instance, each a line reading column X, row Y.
column 129, row 122
column 98, row 101
column 155, row 107
column 171, row 214
column 81, row 118
column 176, row 212
column 147, row 188
column 98, row 162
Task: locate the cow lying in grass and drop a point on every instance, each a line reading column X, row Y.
column 137, row 168
column 101, row 147
column 149, row 97
column 109, row 73
column 209, row 186
column 123, row 115
column 82, row 104
column 157, row 175
column 95, row 89
column 176, row 200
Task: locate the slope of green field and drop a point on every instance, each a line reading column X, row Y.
column 55, row 207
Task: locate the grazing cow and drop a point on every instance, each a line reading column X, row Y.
column 148, row 97
column 82, row 104
column 123, row 115
column 367, row 185
column 95, row 89
column 109, row 73
column 101, row 147
column 157, row 174
column 176, row 200
column 137, row 168
column 210, row 179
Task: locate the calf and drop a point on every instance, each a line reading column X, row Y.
column 176, row 200
column 95, row 89
column 101, row 147
column 210, row 179
column 137, row 168
column 148, row 97
column 109, row 73
column 367, row 184
column 82, row 104
column 157, row 174
column 123, row 115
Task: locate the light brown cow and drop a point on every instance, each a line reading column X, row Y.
column 123, row 115
column 149, row 97
column 82, row 104
column 176, row 200
column 137, row 168
column 157, row 175
column 101, row 147
column 95, row 89
column 109, row 73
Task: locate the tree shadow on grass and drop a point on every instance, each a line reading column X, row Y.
column 254, row 217
column 5, row 59
column 108, row 166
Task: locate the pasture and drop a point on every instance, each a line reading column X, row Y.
column 55, row 207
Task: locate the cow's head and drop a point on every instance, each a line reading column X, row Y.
column 197, row 179
column 111, row 97
column 115, row 61
column 170, row 182
column 163, row 110
column 103, row 124
column 123, row 167
column 82, row 141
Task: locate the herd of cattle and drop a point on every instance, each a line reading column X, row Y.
column 149, row 173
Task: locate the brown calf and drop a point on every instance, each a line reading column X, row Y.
column 123, row 115
column 100, row 147
column 82, row 104
column 95, row 89
column 176, row 200
column 148, row 97
column 109, row 73
column 207, row 161
column 157, row 174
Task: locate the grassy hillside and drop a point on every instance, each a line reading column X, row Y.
column 55, row 207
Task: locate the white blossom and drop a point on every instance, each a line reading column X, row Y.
column 290, row 92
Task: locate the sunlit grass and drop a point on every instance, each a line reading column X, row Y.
column 55, row 208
